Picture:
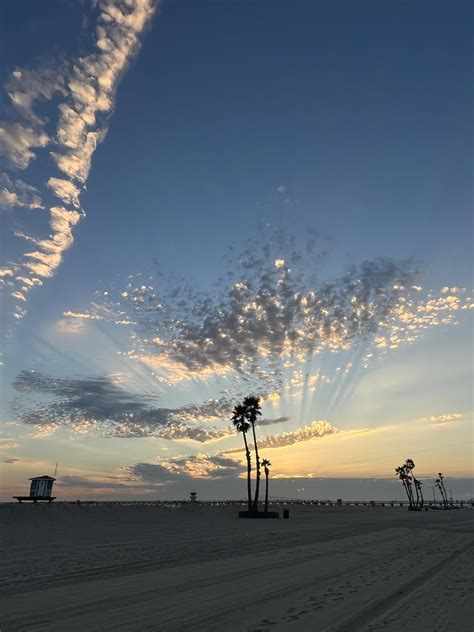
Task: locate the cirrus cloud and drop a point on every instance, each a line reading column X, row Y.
column 85, row 88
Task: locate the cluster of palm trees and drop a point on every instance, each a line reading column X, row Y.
column 244, row 418
column 413, row 486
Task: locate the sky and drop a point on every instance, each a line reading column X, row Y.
column 205, row 200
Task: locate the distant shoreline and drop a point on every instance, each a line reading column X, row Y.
column 210, row 503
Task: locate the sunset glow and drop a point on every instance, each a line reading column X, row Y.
column 187, row 221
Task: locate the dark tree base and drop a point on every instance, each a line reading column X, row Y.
column 259, row 514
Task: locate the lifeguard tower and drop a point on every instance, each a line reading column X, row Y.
column 192, row 497
column 41, row 488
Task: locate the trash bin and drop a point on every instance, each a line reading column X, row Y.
column 286, row 513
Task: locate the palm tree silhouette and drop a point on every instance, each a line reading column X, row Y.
column 440, row 486
column 266, row 463
column 242, row 425
column 410, row 466
column 404, row 476
column 252, row 411
column 418, row 485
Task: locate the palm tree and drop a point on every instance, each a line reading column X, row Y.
column 418, row 485
column 242, row 425
column 410, row 466
column 404, row 476
column 252, row 411
column 266, row 463
column 400, row 472
column 440, row 486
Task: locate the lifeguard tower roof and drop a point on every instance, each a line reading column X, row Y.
column 36, row 478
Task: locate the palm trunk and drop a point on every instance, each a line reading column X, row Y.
column 445, row 495
column 266, row 492
column 417, row 494
column 441, row 493
column 422, row 499
column 257, row 460
column 249, row 474
column 406, row 489
column 417, row 485
column 409, row 492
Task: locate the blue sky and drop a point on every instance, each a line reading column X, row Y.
column 343, row 126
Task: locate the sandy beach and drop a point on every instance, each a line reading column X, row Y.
column 151, row 567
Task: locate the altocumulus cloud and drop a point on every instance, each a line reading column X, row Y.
column 446, row 418
column 271, row 313
column 198, row 466
column 101, row 406
column 84, row 90
column 18, row 193
column 314, row 430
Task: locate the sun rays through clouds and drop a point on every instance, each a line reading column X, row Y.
column 195, row 211
column 271, row 324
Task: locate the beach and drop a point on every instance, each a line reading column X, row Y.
column 125, row 567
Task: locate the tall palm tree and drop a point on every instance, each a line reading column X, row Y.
column 410, row 466
column 442, row 489
column 252, row 411
column 266, row 463
column 418, row 485
column 406, row 481
column 242, row 425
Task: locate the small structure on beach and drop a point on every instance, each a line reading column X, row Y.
column 41, row 488
column 192, row 497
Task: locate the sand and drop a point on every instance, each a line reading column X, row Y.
column 149, row 567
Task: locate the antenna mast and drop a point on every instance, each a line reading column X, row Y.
column 55, row 470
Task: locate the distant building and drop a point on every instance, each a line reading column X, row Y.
column 41, row 486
